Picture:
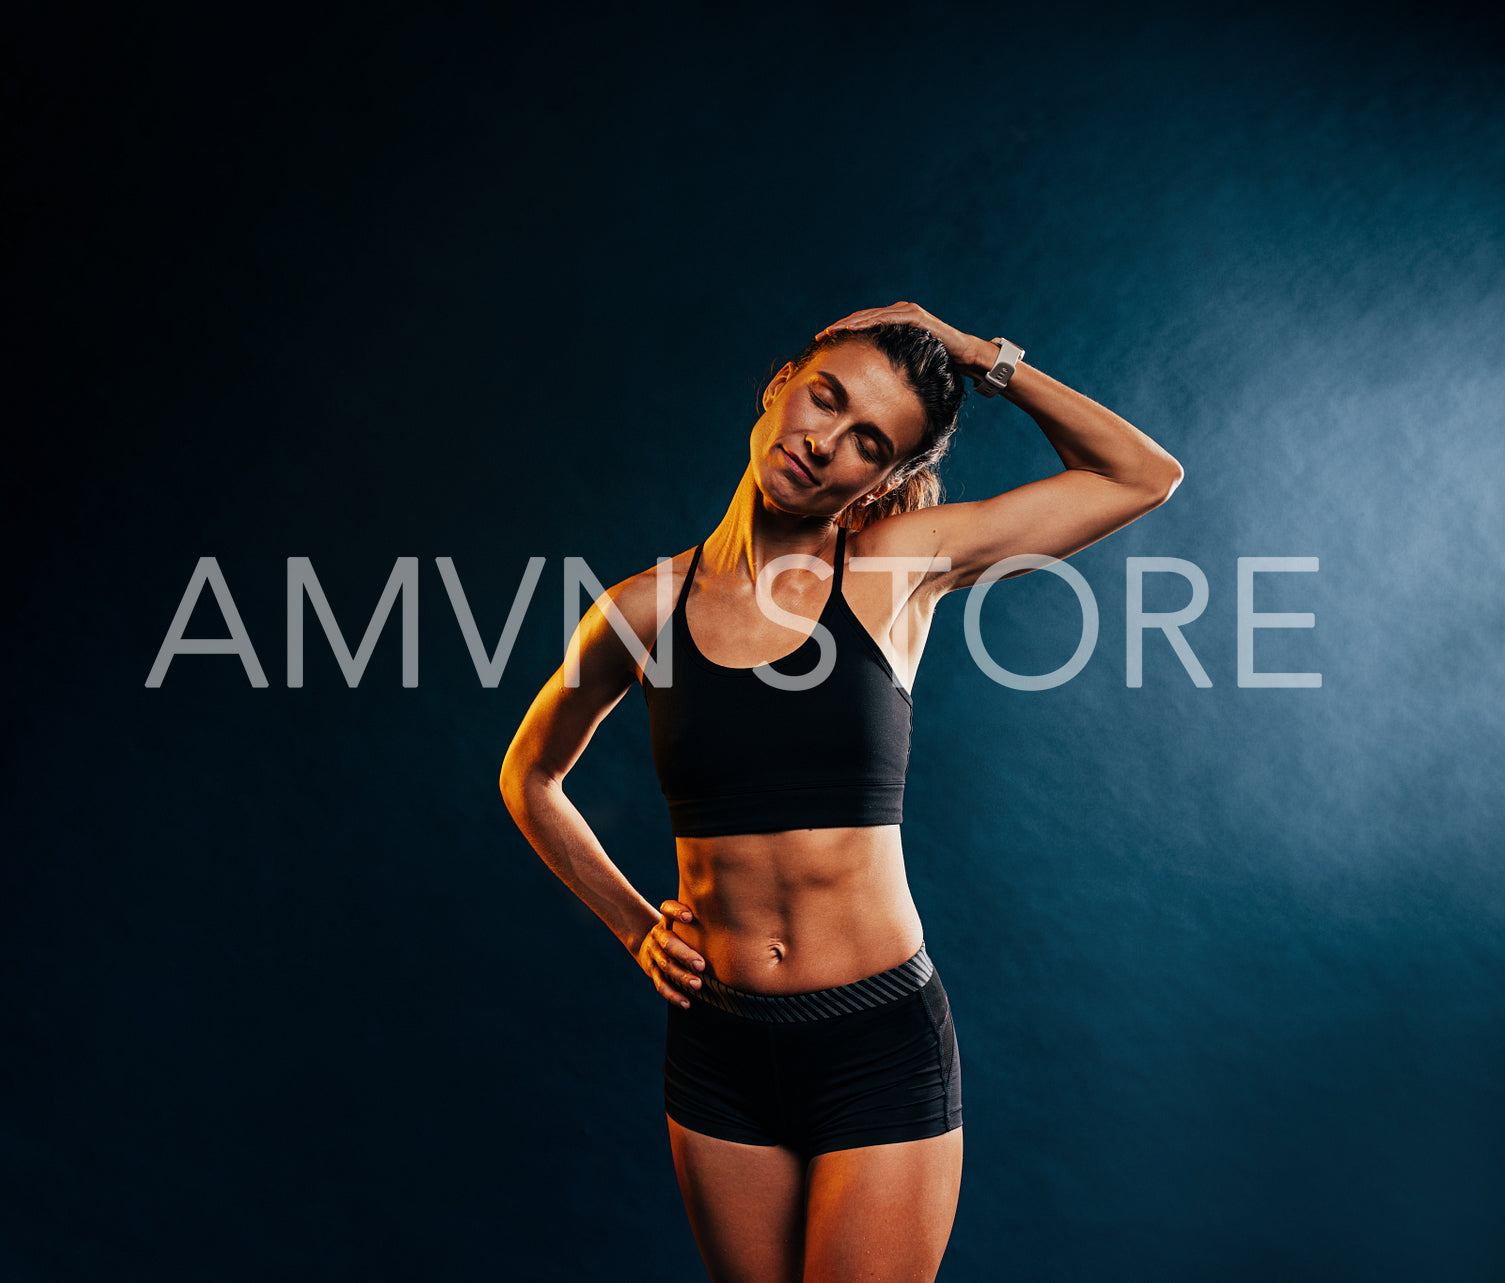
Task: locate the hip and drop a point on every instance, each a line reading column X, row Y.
column 872, row 1062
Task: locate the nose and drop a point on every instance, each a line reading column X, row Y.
column 820, row 447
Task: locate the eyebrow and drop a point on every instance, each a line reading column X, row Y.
column 838, row 390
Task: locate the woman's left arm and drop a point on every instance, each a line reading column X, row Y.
column 1113, row 473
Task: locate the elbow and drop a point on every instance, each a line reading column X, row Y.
column 513, row 782
column 511, row 792
column 1174, row 475
column 523, row 784
column 1162, row 480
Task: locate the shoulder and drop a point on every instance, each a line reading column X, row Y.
column 906, row 534
column 910, row 541
column 640, row 605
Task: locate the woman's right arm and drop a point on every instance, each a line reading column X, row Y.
column 553, row 734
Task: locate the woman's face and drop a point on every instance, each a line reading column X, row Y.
column 832, row 432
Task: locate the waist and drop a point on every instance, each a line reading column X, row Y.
column 909, row 976
column 791, row 912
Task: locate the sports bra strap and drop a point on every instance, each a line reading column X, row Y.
column 684, row 588
column 841, row 544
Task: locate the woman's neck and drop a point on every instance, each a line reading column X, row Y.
column 753, row 533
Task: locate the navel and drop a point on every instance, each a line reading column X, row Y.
column 776, row 950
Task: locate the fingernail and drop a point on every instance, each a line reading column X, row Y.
column 699, row 965
column 695, row 981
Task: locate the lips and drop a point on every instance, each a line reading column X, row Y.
column 800, row 471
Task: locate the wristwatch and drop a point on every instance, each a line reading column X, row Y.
column 996, row 379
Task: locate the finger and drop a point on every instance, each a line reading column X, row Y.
column 664, row 981
column 680, row 952
column 860, row 313
column 680, row 972
column 663, row 935
column 869, row 317
column 679, row 959
column 852, row 320
column 670, row 993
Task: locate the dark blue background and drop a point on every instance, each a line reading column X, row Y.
column 285, row 994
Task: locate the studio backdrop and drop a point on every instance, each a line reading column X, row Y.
column 367, row 345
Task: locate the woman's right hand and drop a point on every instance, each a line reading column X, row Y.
column 668, row 961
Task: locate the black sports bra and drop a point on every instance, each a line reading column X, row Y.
column 735, row 754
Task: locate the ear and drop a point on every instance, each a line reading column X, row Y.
column 873, row 496
column 776, row 384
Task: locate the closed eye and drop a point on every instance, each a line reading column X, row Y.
column 864, row 445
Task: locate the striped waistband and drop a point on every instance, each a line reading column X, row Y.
column 860, row 995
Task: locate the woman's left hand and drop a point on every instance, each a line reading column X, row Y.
column 973, row 356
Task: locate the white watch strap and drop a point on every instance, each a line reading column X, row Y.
column 996, row 379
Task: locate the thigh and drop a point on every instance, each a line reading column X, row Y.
column 745, row 1204
column 883, row 1213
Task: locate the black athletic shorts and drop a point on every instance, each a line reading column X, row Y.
column 868, row 1063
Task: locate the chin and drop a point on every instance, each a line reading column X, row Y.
column 790, row 504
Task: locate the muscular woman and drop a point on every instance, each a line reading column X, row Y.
column 812, row 1071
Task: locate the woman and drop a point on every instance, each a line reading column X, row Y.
column 812, row 1082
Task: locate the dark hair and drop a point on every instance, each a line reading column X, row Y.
column 926, row 366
